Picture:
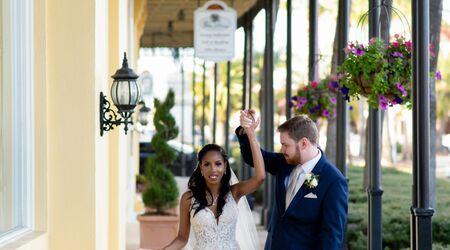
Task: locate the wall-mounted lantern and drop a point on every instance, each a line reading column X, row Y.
column 143, row 115
column 125, row 94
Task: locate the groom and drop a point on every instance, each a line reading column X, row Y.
column 311, row 195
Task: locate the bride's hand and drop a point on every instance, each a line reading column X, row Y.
column 249, row 121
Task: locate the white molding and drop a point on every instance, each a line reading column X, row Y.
column 18, row 65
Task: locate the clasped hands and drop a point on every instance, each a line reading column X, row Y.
column 249, row 121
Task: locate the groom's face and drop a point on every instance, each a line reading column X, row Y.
column 290, row 149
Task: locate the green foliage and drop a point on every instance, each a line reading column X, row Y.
column 396, row 213
column 317, row 99
column 162, row 191
column 381, row 72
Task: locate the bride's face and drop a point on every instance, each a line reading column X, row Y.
column 212, row 167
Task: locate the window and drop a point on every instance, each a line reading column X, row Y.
column 16, row 118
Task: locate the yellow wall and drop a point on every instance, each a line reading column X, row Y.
column 81, row 177
column 117, row 139
column 73, row 72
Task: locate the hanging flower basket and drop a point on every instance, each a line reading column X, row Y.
column 378, row 71
column 317, row 99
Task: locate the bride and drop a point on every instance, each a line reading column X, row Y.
column 210, row 208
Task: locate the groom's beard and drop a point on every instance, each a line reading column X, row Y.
column 295, row 159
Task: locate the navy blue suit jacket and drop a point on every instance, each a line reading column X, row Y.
column 307, row 223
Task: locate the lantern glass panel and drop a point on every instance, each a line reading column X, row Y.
column 143, row 117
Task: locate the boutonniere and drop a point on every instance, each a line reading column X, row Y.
column 311, row 180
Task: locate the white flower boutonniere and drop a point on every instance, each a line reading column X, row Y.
column 311, row 180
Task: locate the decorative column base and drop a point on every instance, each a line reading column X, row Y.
column 422, row 227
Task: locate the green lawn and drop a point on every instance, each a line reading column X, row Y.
column 396, row 211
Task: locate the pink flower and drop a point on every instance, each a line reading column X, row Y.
column 325, row 113
column 314, row 84
column 431, row 50
column 408, row 45
column 346, row 50
column 371, row 41
column 395, row 44
column 333, row 100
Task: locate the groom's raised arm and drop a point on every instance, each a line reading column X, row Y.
column 334, row 215
column 271, row 160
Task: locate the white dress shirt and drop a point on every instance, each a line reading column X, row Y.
column 307, row 167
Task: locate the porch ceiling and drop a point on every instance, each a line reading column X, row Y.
column 158, row 32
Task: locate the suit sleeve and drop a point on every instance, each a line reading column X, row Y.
column 334, row 215
column 272, row 161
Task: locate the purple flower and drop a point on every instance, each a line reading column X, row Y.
column 438, row 75
column 397, row 100
column 401, row 88
column 317, row 107
column 325, row 113
column 383, row 102
column 344, row 90
column 333, row 100
column 333, row 85
column 301, row 102
column 350, row 107
column 358, row 51
column 397, row 54
column 312, row 110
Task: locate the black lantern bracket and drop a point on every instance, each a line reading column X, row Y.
column 109, row 118
column 125, row 94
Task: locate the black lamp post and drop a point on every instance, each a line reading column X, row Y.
column 125, row 94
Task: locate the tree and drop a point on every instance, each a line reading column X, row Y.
column 162, row 191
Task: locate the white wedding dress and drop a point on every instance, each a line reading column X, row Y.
column 210, row 233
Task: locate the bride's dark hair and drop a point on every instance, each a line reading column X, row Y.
column 197, row 183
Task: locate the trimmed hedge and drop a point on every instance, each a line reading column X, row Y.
column 396, row 199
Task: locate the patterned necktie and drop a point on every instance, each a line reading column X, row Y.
column 290, row 192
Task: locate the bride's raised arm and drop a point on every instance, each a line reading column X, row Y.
column 250, row 123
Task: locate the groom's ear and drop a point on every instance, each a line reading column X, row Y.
column 303, row 143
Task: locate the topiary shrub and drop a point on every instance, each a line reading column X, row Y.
column 162, row 191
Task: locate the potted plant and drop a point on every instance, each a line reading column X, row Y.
column 317, row 99
column 157, row 225
column 381, row 72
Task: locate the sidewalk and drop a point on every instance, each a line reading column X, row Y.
column 262, row 232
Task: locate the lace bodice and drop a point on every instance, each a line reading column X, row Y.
column 216, row 234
